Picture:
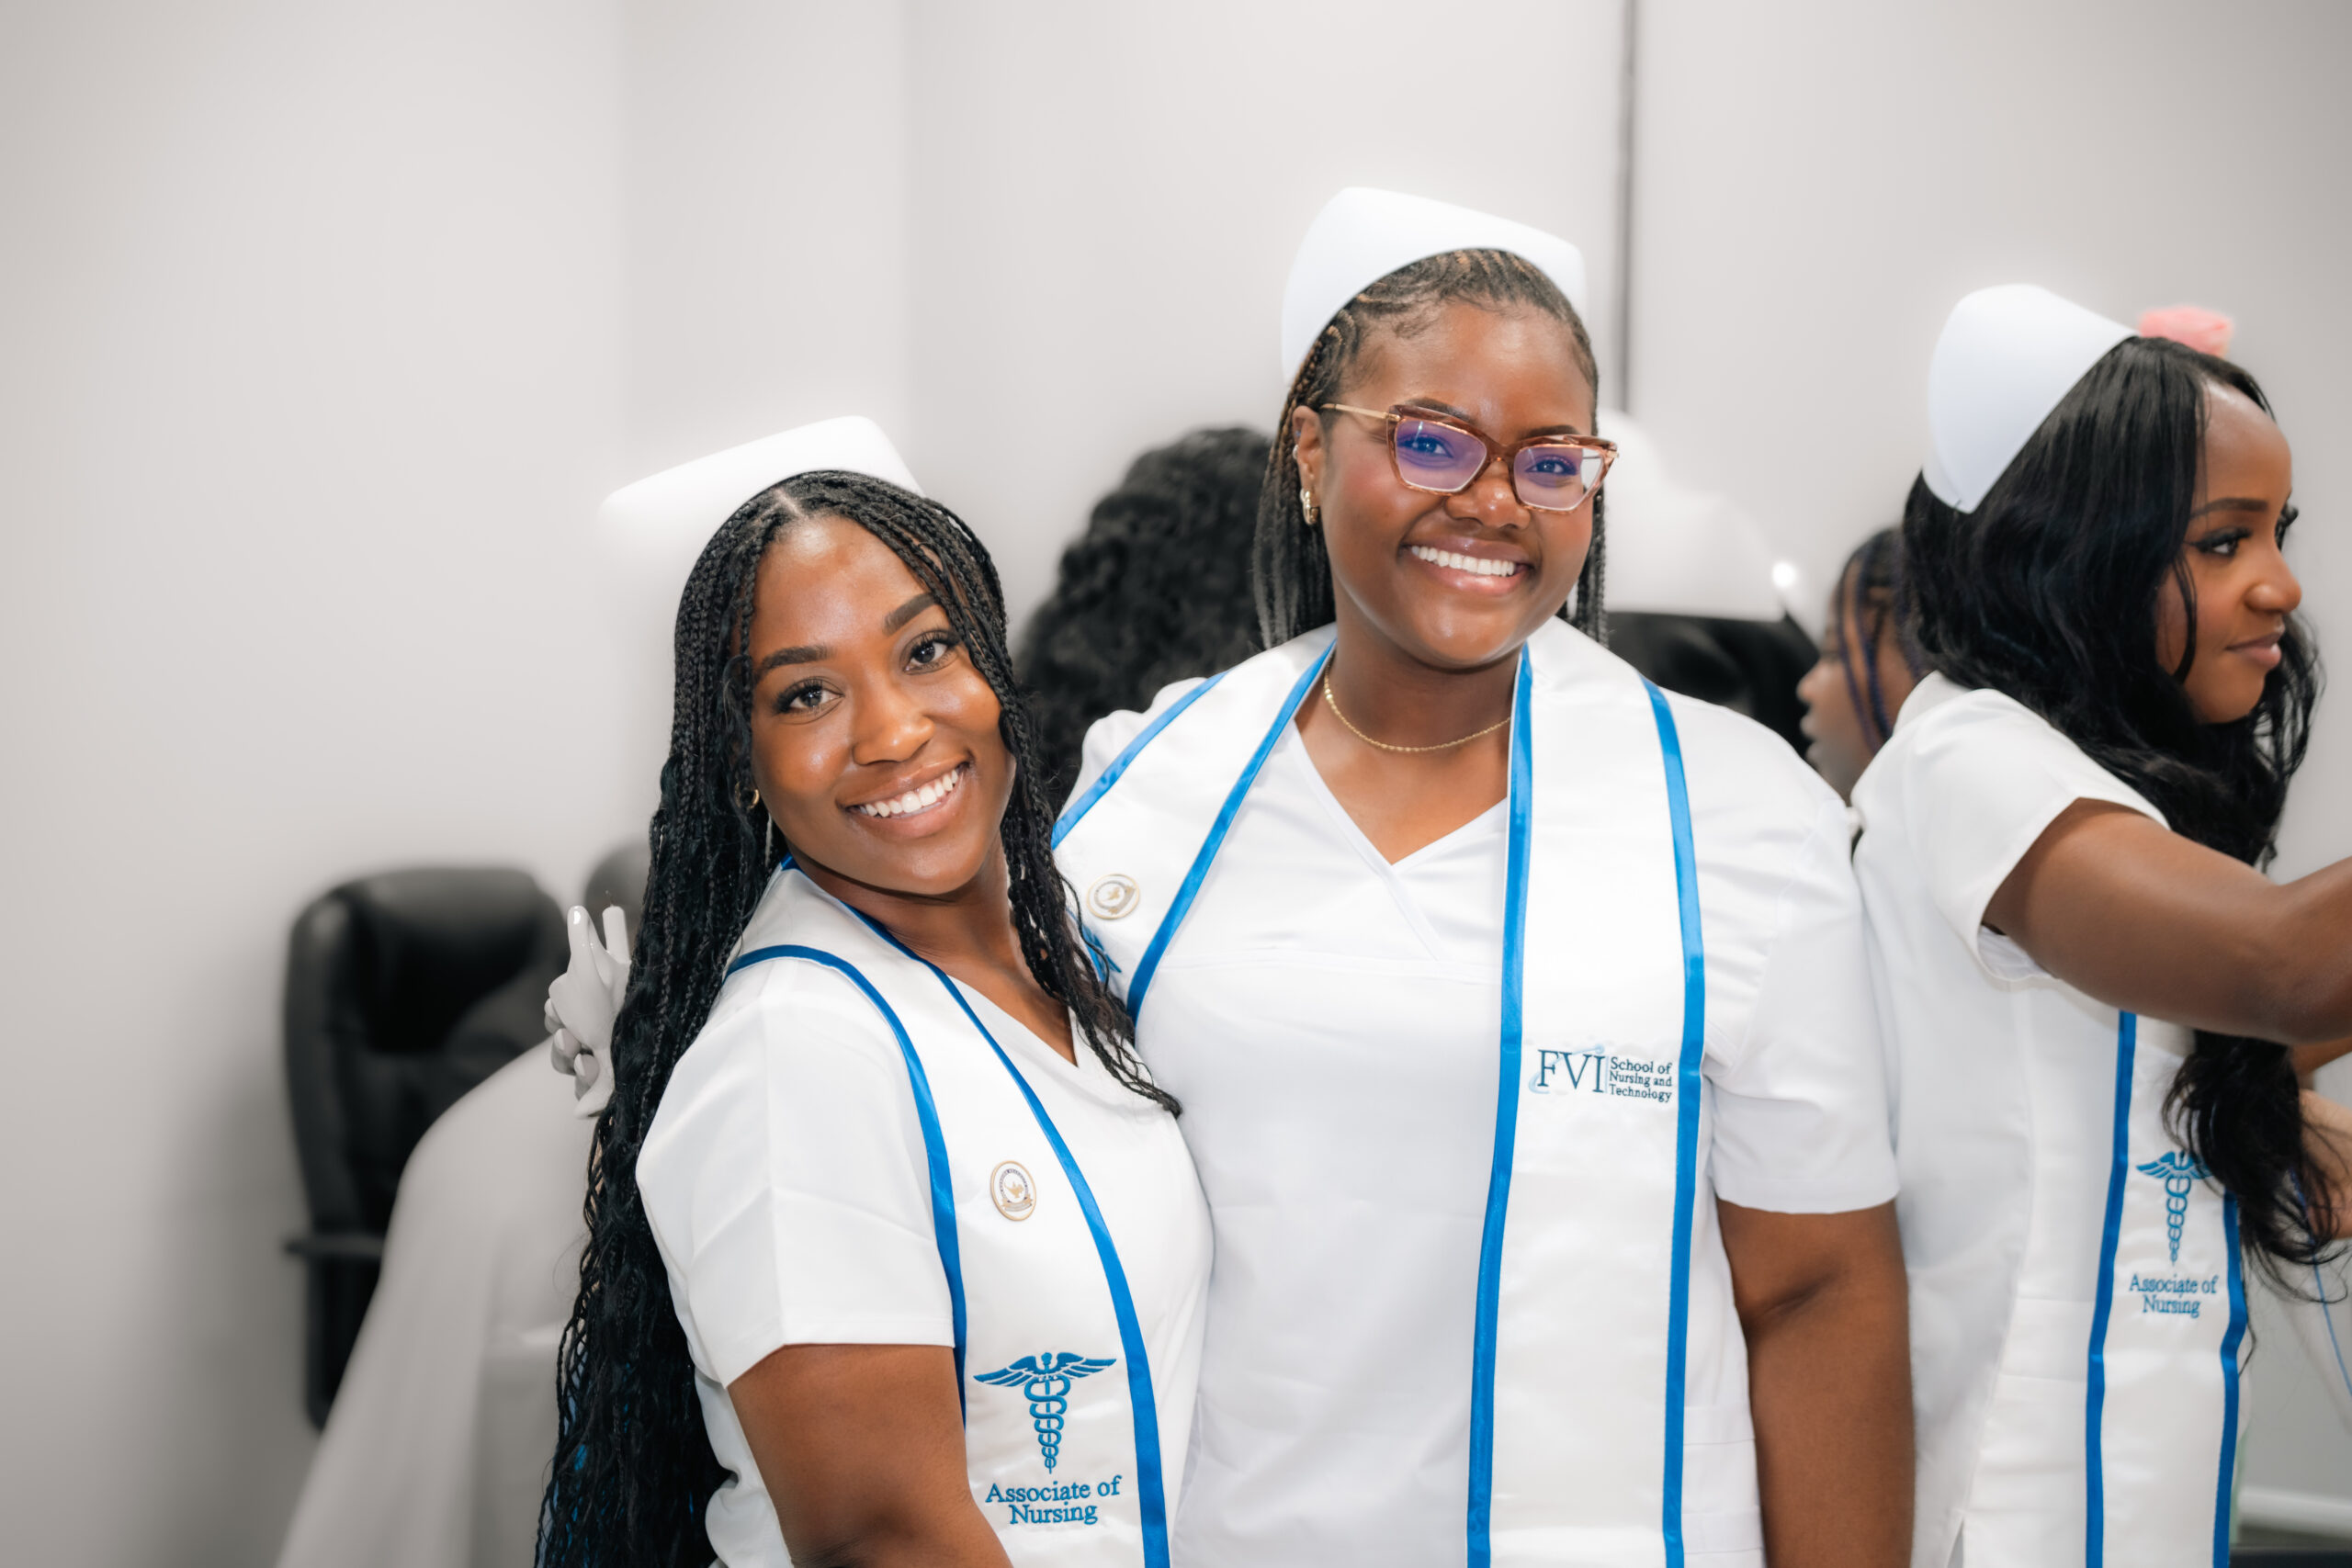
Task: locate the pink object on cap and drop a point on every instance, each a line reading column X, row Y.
column 2206, row 332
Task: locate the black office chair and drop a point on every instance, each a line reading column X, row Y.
column 403, row 991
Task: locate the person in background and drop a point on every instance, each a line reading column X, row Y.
column 1156, row 590
column 435, row 1453
column 2082, row 968
column 1869, row 664
column 1520, row 1009
column 1698, row 600
column 895, row 1253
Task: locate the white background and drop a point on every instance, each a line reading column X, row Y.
column 327, row 326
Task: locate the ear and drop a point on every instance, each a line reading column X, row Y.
column 1306, row 440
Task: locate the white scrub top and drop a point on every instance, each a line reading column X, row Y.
column 787, row 1182
column 1330, row 1022
column 2005, row 1108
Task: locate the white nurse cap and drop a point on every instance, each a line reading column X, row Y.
column 1363, row 235
column 2006, row 358
column 695, row 497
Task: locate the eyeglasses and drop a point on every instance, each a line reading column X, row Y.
column 1442, row 457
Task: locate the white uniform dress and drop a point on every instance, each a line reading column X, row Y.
column 1429, row 1343
column 2077, row 1312
column 858, row 1150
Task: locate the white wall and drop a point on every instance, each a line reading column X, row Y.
column 313, row 369
column 1818, row 183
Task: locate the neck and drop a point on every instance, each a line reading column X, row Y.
column 1393, row 696
column 966, row 931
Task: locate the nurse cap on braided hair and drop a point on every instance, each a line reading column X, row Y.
column 660, row 525
column 687, row 503
column 2006, row 358
column 1362, row 235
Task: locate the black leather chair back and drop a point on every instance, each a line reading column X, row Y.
column 403, row 991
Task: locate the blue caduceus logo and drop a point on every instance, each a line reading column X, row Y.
column 2180, row 1173
column 1045, row 1381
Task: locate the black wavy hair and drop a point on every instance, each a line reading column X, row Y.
column 2049, row 591
column 1870, row 597
column 1291, row 570
column 1157, row 589
column 633, row 1467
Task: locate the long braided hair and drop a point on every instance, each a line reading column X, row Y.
column 2048, row 592
column 1290, row 566
column 633, row 1467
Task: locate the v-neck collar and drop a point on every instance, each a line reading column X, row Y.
column 1392, row 874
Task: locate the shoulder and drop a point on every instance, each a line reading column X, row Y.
column 1972, row 753
column 1115, row 732
column 512, row 1146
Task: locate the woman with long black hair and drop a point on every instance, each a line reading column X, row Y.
column 1519, row 1009
column 894, row 1250
column 2084, row 972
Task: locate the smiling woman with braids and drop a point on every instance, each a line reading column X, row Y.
column 895, row 1253
column 1520, row 1009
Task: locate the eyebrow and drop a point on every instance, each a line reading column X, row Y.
column 2231, row 503
column 816, row 652
column 1435, row 406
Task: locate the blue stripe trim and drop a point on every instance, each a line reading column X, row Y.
column 1151, row 1499
column 1110, row 775
column 2127, row 1030
column 934, row 1146
column 1520, row 793
column 1686, row 1132
column 2225, row 1488
column 1182, row 906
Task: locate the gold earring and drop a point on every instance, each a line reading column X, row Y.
column 751, row 800
column 1306, row 504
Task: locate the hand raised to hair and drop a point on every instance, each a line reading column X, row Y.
column 583, row 1001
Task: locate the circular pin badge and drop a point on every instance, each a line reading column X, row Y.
column 1014, row 1194
column 1114, row 897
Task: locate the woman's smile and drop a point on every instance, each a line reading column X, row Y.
column 1473, row 566
column 928, row 798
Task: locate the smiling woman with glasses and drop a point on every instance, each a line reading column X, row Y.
column 1519, row 1009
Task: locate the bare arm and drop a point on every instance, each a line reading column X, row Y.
column 1825, row 1309
column 2145, row 920
column 862, row 1450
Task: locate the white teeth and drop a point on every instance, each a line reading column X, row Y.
column 916, row 799
column 1478, row 566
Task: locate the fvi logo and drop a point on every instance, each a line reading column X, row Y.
column 1596, row 1069
column 1044, row 1381
column 2180, row 1173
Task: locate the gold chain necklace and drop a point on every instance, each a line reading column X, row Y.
column 1333, row 703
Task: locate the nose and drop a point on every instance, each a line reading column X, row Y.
column 2278, row 591
column 1488, row 498
column 889, row 723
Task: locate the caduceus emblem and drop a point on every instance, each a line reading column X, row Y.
column 2180, row 1173
column 1044, row 1381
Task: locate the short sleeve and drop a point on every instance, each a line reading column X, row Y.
column 1115, row 732
column 786, row 1182
column 1800, row 1099
column 1980, row 778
